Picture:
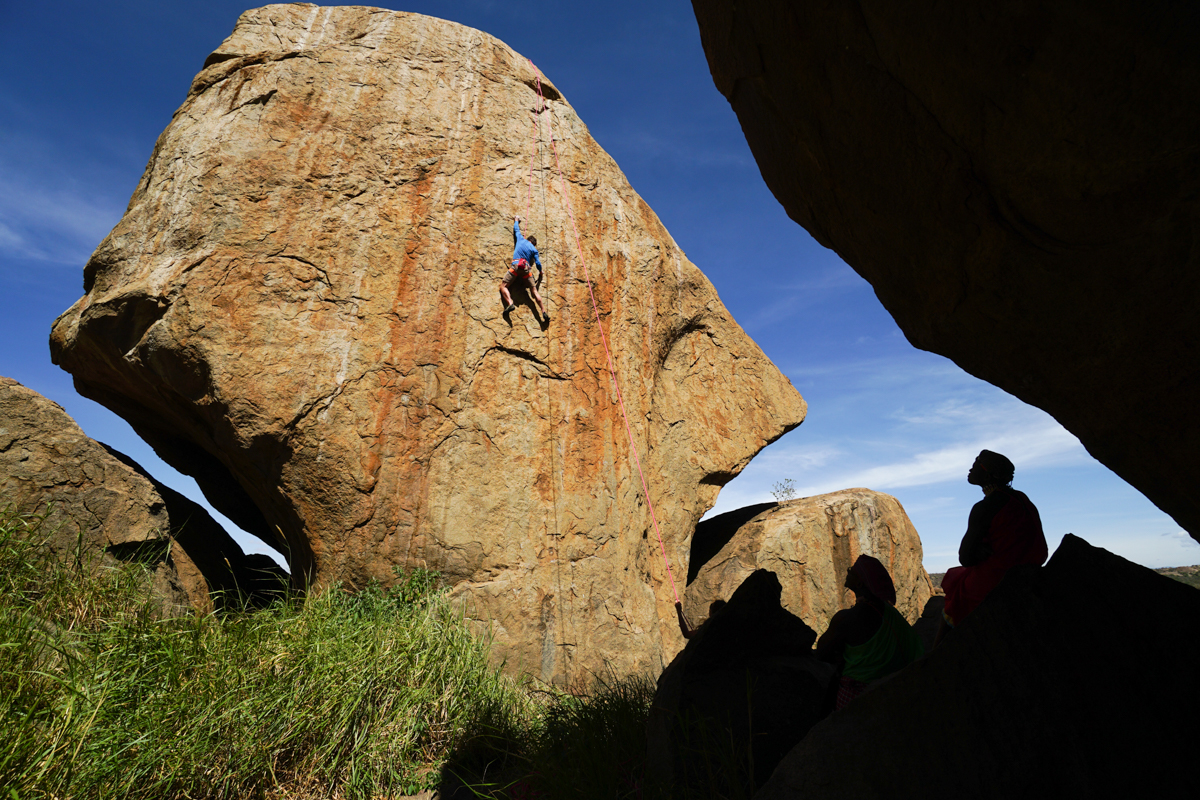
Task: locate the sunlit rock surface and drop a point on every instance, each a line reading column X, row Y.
column 810, row 543
column 300, row 309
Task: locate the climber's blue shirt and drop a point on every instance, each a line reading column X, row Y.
column 523, row 249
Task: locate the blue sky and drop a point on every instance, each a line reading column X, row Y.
column 85, row 89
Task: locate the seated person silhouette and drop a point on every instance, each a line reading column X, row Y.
column 871, row 639
column 1003, row 530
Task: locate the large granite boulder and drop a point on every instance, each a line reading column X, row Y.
column 1077, row 679
column 809, row 543
column 1020, row 183
column 98, row 499
column 300, row 310
column 742, row 693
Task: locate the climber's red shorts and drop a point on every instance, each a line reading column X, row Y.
column 519, row 271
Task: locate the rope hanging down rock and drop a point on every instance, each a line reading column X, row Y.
column 535, row 156
column 612, row 368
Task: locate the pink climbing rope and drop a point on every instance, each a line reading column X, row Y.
column 612, row 368
column 532, row 151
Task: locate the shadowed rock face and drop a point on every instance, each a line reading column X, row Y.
column 810, row 543
column 1064, row 682
column 300, row 309
column 1018, row 181
column 98, row 499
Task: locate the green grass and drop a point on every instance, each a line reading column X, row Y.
column 376, row 694
column 344, row 695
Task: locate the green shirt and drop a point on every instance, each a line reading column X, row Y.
column 894, row 646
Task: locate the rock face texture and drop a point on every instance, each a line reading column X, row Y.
column 1019, row 182
column 1063, row 683
column 745, row 690
column 101, row 500
column 300, row 309
column 810, row 543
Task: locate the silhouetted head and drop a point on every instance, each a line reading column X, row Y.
column 758, row 594
column 532, row 239
column 870, row 575
column 990, row 469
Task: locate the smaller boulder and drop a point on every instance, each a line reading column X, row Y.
column 742, row 693
column 809, row 543
column 98, row 501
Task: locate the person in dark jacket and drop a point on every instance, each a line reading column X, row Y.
column 1003, row 530
column 525, row 255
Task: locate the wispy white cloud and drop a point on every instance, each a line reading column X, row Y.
column 962, row 418
column 59, row 224
column 938, row 375
column 9, row 240
column 813, row 287
column 795, row 460
column 1173, row 548
column 50, row 211
column 867, row 441
column 933, row 504
column 1046, row 444
column 953, row 410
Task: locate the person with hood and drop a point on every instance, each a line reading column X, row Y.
column 871, row 639
column 525, row 255
column 1003, row 530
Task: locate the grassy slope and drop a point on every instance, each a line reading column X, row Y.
column 376, row 694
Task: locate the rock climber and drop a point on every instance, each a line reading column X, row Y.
column 1003, row 530
column 525, row 255
column 871, row 639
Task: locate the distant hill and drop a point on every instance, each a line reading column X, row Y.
column 1189, row 575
